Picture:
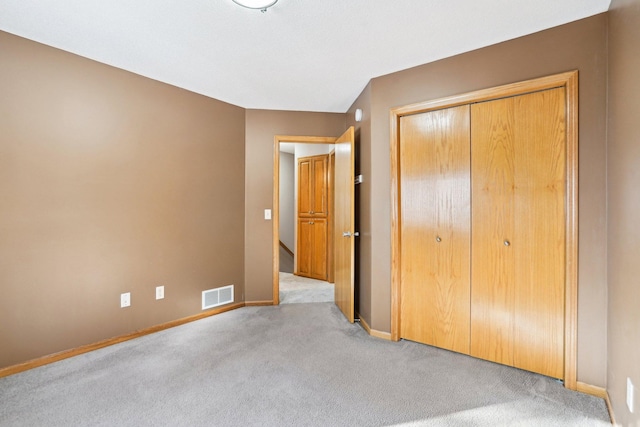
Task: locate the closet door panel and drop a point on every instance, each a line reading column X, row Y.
column 518, row 220
column 540, row 223
column 492, row 263
column 435, row 219
column 319, row 248
column 320, row 206
column 304, row 246
column 305, row 190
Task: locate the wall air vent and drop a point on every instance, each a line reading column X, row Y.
column 215, row 297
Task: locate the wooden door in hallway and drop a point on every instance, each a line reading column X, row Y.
column 344, row 223
column 313, row 217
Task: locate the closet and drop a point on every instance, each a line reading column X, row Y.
column 313, row 216
column 482, row 225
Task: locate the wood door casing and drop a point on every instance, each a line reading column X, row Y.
column 435, row 221
column 331, row 222
column 518, row 147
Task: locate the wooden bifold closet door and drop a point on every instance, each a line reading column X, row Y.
column 434, row 161
column 482, row 222
column 518, row 231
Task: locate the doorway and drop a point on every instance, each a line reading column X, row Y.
column 305, row 219
column 342, row 258
column 280, row 141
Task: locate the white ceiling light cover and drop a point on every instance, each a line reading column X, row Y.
column 256, row 4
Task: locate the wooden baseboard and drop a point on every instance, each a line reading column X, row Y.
column 45, row 360
column 258, row 303
column 597, row 392
column 286, row 249
column 373, row 332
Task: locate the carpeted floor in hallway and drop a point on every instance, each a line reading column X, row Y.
column 297, row 289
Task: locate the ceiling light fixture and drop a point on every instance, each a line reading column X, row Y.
column 263, row 5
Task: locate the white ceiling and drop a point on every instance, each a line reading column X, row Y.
column 305, row 55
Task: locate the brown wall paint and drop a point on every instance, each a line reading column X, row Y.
column 579, row 45
column 261, row 127
column 363, row 196
column 109, row 183
column 623, row 175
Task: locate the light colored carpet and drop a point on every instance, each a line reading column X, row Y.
column 296, row 289
column 290, row 365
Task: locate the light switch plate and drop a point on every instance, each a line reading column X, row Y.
column 125, row 300
column 159, row 292
column 267, row 214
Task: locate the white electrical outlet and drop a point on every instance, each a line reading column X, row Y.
column 630, row 393
column 159, row 292
column 125, row 300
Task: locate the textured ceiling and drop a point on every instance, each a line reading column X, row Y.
column 306, row 55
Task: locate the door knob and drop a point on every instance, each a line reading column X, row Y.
column 348, row 234
column 438, row 239
column 507, row 243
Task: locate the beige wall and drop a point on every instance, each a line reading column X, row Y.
column 109, row 183
column 580, row 45
column 624, row 208
column 287, row 200
column 363, row 202
column 261, row 127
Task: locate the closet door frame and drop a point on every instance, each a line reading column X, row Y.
column 569, row 81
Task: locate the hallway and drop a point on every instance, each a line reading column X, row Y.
column 296, row 289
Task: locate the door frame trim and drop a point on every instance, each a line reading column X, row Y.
column 275, row 218
column 568, row 80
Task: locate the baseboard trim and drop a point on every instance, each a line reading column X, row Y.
column 258, row 303
column 286, row 249
column 597, row 392
column 51, row 358
column 373, row 332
